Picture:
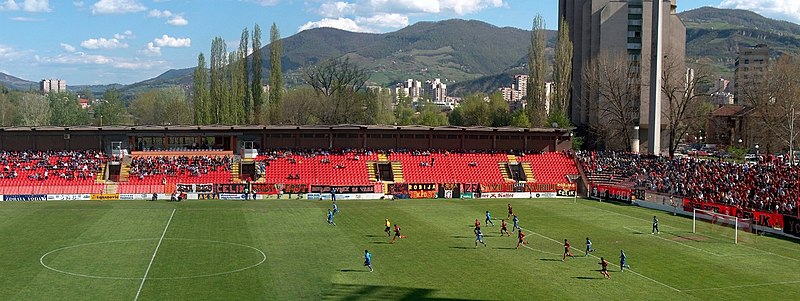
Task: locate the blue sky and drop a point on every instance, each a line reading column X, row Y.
column 126, row 41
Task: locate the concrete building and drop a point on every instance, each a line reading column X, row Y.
column 751, row 64
column 437, row 91
column 52, row 85
column 410, row 88
column 608, row 27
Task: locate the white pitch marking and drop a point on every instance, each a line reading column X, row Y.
column 640, row 275
column 144, row 278
column 677, row 242
column 741, row 286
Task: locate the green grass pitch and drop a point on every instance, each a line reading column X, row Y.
column 284, row 250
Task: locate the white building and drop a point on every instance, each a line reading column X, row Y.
column 52, row 85
column 410, row 88
column 437, row 91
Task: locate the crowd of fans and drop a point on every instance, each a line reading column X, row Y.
column 163, row 166
column 766, row 186
column 46, row 165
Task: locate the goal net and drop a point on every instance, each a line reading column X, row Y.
column 723, row 226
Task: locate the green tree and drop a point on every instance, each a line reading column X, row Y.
column 34, row 110
column 431, row 115
column 7, row 109
column 378, row 107
column 537, row 70
column 162, row 107
column 498, row 110
column 256, row 89
column 404, row 111
column 202, row 103
column 219, row 86
column 247, row 101
column 275, row 75
column 473, row 111
column 111, row 109
column 236, row 92
column 65, row 110
column 298, row 101
column 562, row 72
column 520, row 119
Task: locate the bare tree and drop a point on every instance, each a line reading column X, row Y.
column 685, row 98
column 338, row 82
column 615, row 86
column 776, row 99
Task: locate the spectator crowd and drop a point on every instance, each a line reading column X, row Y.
column 163, row 166
column 48, row 165
column 766, row 186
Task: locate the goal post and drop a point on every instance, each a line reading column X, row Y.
column 718, row 222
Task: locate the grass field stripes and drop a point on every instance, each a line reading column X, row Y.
column 152, row 258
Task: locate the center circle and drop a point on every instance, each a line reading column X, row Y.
column 126, row 259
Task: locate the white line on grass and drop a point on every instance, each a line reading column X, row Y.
column 740, row 286
column 640, row 275
column 677, row 242
column 749, row 247
column 154, row 255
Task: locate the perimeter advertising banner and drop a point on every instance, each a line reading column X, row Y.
column 230, row 188
column 449, row 191
column 399, row 190
column 791, row 225
column 105, row 196
column 343, row 189
column 24, row 197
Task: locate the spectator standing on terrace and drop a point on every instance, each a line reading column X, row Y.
column 333, row 194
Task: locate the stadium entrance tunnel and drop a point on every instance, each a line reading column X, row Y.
column 177, row 258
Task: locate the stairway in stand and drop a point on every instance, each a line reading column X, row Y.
column 235, row 174
column 529, row 176
column 504, row 171
column 512, row 159
column 101, row 175
column 373, row 176
column 110, row 188
column 382, row 158
column 397, row 172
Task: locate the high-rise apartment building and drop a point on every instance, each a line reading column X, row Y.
column 52, row 85
column 437, row 91
column 410, row 88
column 751, row 64
column 608, row 27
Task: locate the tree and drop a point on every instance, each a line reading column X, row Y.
column 34, row 110
column 219, row 85
column 776, row 99
column 404, row 111
column 298, row 101
column 498, row 111
column 338, row 82
column 430, row 115
column 562, row 73
column 256, row 88
column 615, row 88
column 237, row 90
column 246, row 113
column 65, row 110
column 111, row 109
column 684, row 99
column 537, row 70
column 275, row 75
column 520, row 119
column 167, row 106
column 202, row 103
column 7, row 109
column 473, row 111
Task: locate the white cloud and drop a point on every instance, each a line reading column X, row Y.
column 265, row 2
column 117, row 7
column 31, row 6
column 103, row 43
column 78, row 4
column 336, row 9
column 178, row 21
column 9, row 5
column 167, row 41
column 151, row 50
column 784, row 9
column 340, row 23
column 174, row 19
column 384, row 21
column 26, row 19
column 125, row 35
column 81, row 58
column 36, row 6
column 68, row 47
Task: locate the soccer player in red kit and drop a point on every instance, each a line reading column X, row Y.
column 477, row 224
column 397, row 233
column 604, row 268
column 504, row 228
column 510, row 212
column 567, row 251
column 521, row 239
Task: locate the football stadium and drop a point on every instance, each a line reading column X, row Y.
column 383, row 213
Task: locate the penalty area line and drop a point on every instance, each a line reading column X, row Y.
column 740, row 286
column 144, row 278
column 634, row 272
column 677, row 242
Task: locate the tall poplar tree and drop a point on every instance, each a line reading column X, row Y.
column 218, row 80
column 247, row 102
column 235, row 104
column 256, row 86
column 275, row 75
column 202, row 104
column 562, row 71
column 537, row 69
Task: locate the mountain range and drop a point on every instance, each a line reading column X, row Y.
column 473, row 56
